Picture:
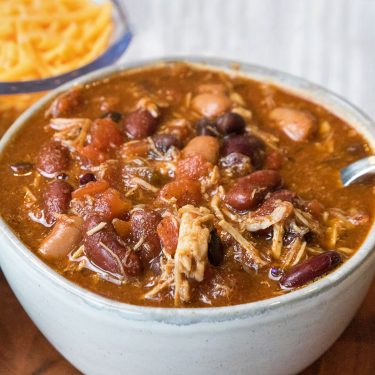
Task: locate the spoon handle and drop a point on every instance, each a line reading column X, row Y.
column 358, row 169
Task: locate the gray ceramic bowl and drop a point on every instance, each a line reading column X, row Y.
column 281, row 335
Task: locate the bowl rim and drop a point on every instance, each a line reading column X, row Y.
column 109, row 56
column 187, row 316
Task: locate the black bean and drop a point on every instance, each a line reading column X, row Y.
column 204, row 126
column 22, row 168
column 114, row 116
column 245, row 144
column 86, row 178
column 215, row 249
column 164, row 141
column 62, row 176
column 310, row 269
column 231, row 123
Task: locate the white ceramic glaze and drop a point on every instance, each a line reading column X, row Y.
column 281, row 335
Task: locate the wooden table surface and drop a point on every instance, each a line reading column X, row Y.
column 24, row 350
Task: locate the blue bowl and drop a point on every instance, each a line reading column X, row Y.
column 119, row 43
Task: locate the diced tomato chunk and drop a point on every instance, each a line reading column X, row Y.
column 91, row 188
column 91, row 153
column 122, row 227
column 110, row 204
column 104, row 133
column 168, row 232
column 193, row 167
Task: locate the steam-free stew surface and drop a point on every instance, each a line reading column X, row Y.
column 180, row 186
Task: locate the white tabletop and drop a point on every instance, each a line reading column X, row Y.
column 330, row 42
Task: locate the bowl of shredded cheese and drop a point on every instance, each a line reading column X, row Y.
column 44, row 44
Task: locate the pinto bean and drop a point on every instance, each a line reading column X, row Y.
column 203, row 145
column 64, row 237
column 53, row 158
column 100, row 256
column 193, row 168
column 144, row 224
column 168, row 233
column 246, row 144
column 212, row 88
column 231, row 123
column 56, row 199
column 211, row 104
column 310, row 269
column 140, row 124
column 185, row 191
column 66, row 103
column 163, row 142
column 297, row 124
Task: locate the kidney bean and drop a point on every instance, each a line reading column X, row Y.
column 310, row 269
column 297, row 124
column 249, row 191
column 231, row 123
column 164, row 141
column 205, row 126
column 66, row 103
column 284, row 195
column 215, row 249
column 185, row 191
column 246, row 144
column 101, row 257
column 53, row 158
column 140, row 124
column 114, row 116
column 203, row 145
column 193, row 167
column 21, row 168
column 56, row 199
column 263, row 178
column 167, row 230
column 64, row 237
column 242, row 196
column 144, row 223
column 86, row 178
column 210, row 104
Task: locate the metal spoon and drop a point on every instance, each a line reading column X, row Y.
column 358, row 169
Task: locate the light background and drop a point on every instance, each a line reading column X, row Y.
column 329, row 42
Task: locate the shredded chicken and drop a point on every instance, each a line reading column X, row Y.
column 255, row 221
column 277, row 240
column 72, row 132
column 191, row 253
